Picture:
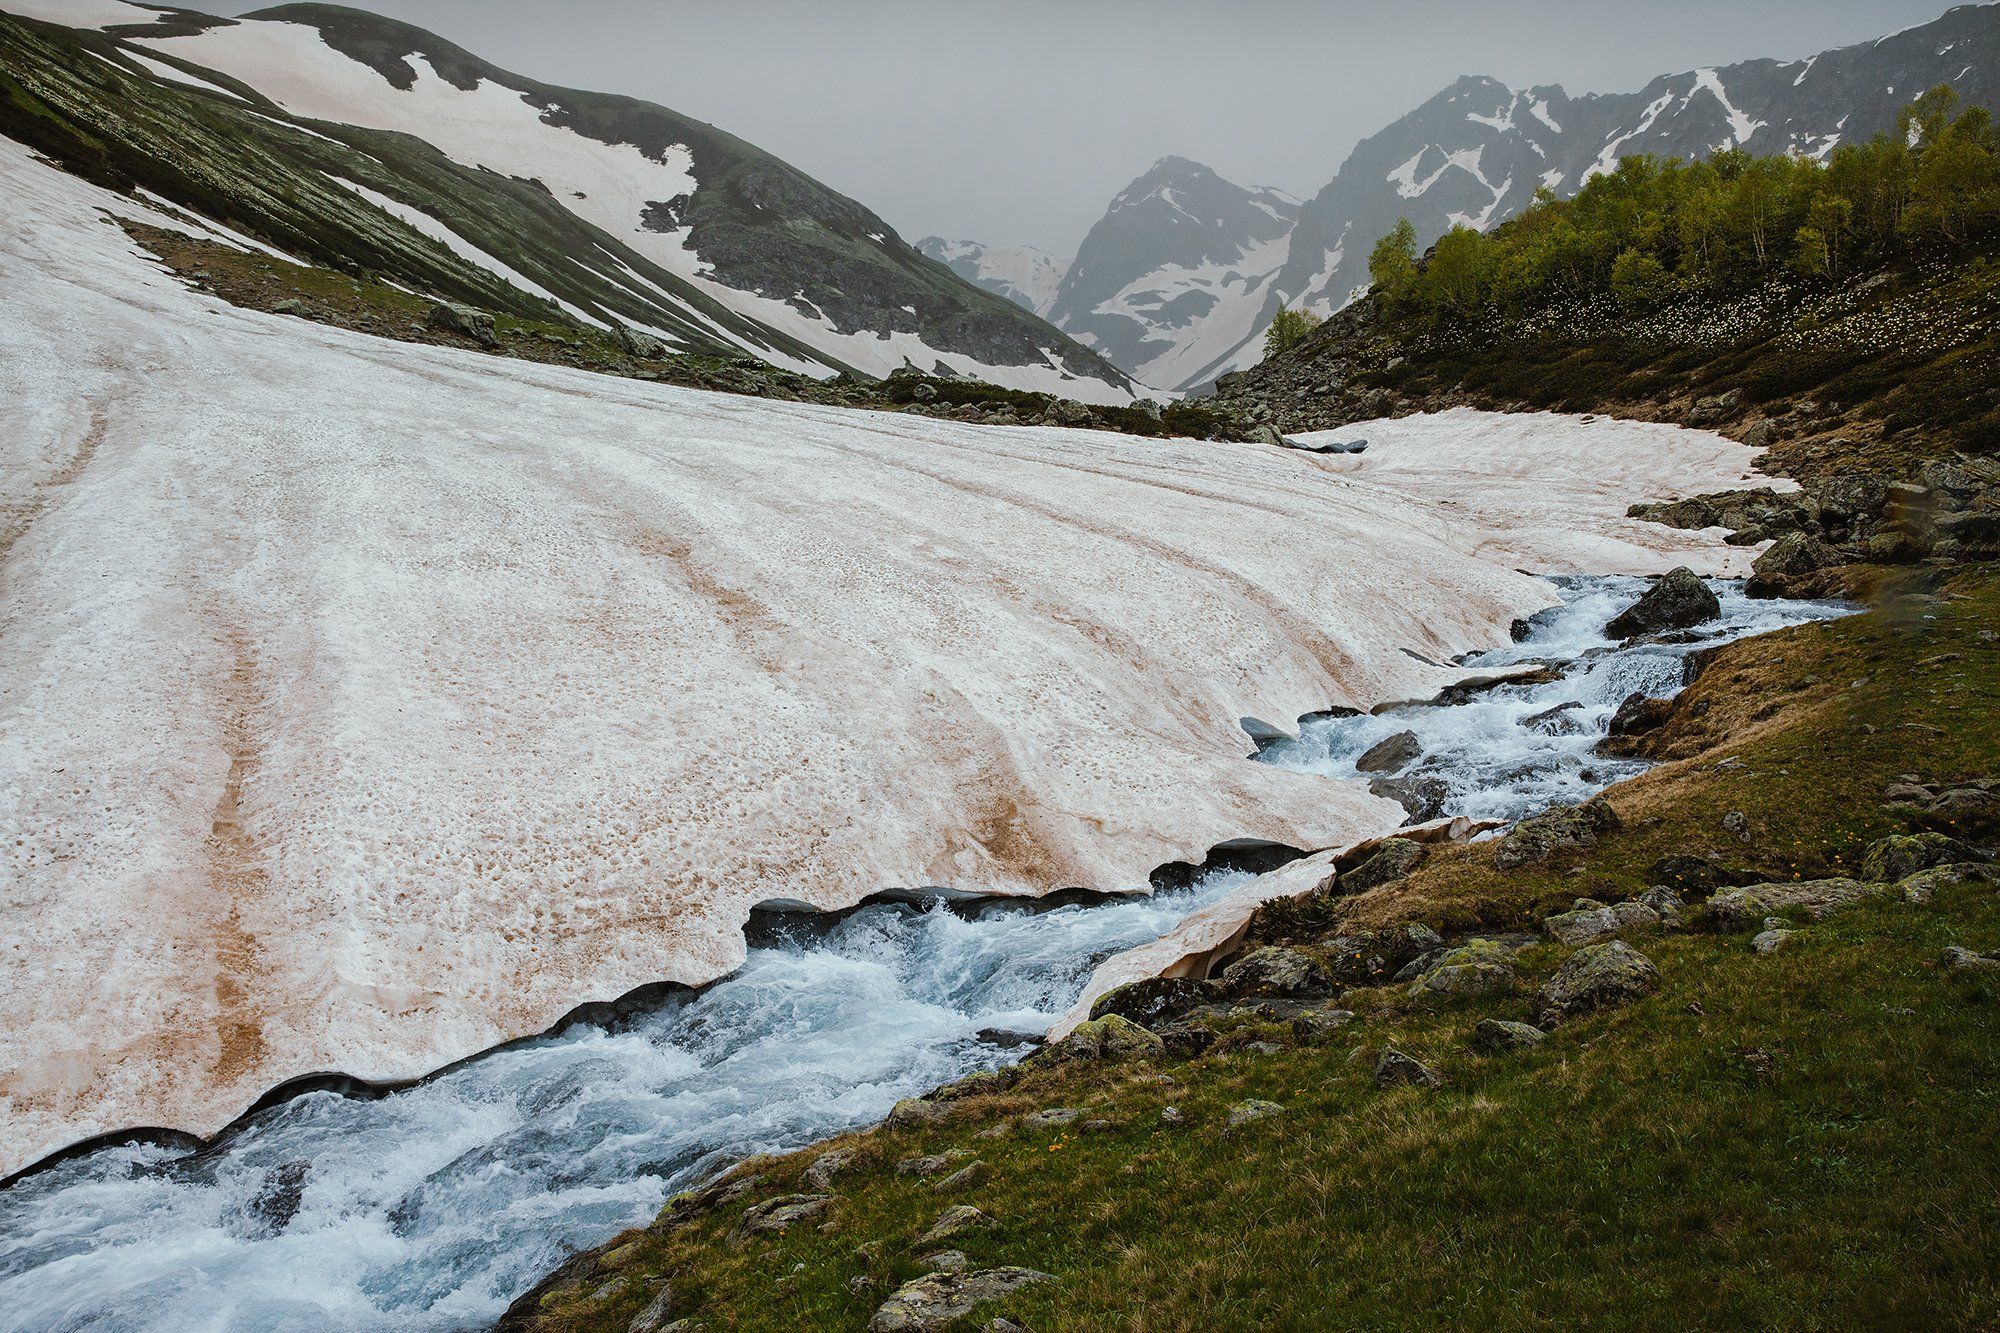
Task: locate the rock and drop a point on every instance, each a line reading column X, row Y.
column 1316, row 1027
column 656, row 1315
column 1737, row 825
column 1394, row 859
column 946, row 1261
column 1476, row 969
column 1171, row 1115
column 1111, row 1037
column 1275, row 971
column 825, row 1167
column 1639, row 714
column 934, row 1301
column 1246, row 1111
column 1421, row 794
column 1050, row 1117
column 290, row 306
column 1901, row 855
column 773, row 1216
column 465, row 322
column 1557, row 721
column 1496, row 1035
column 912, row 1112
column 1696, row 875
column 1794, row 555
column 1586, row 924
column 1268, row 434
column 1920, row 888
column 961, row 1219
column 1679, row 600
column 930, row 1164
column 1668, row 904
column 1761, row 434
column 1373, row 957
column 1156, row 1000
column 1597, row 976
column 969, row 1174
column 1555, row 832
column 1769, row 940
column 1734, row 909
column 1390, row 754
column 1955, row 959
column 642, row 345
column 1394, row 1069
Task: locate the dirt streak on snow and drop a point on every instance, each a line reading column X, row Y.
column 365, row 704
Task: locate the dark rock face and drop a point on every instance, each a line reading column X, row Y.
column 1393, row 860
column 1680, row 600
column 1639, row 714
column 1156, row 1000
column 1276, row 971
column 1371, row 958
column 1423, row 794
column 1388, row 755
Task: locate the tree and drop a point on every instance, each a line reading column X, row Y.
column 1288, row 329
column 1392, row 264
column 1638, row 279
column 1461, row 271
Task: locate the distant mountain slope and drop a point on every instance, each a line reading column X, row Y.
column 1024, row 275
column 1176, row 275
column 364, row 142
column 1476, row 153
column 1178, row 281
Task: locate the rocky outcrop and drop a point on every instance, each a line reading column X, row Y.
column 1597, row 976
column 1563, row 830
column 936, row 1300
column 1679, row 600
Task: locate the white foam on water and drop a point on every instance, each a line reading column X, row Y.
column 433, row 1207
column 1492, row 764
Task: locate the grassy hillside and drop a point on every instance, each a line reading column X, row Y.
column 1794, row 1140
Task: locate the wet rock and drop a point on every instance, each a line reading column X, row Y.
column 1421, row 794
column 1393, row 860
column 1494, row 1036
column 1903, row 854
column 935, row 1301
column 1276, row 971
column 1677, row 601
column 463, row 321
column 1558, row 721
column 1792, row 556
column 1638, row 714
column 1395, row 1069
column 1597, row 976
column 1583, row 925
column 1390, row 754
column 961, row 1219
column 774, row 1216
column 1736, row 909
column 1473, row 970
column 1156, row 1000
column 1556, row 832
column 1316, row 1027
column 1253, row 1109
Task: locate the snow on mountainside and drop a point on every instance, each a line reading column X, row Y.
column 364, row 704
column 1176, row 277
column 615, row 210
column 1024, row 275
column 1178, row 290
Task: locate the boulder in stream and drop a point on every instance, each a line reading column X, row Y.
column 1679, row 600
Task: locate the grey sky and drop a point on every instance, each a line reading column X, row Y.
column 1015, row 123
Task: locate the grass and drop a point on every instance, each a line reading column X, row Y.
column 1800, row 1141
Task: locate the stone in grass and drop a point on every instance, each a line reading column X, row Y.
column 1680, row 599
column 912, row 1112
column 1474, row 970
column 1275, row 971
column 969, row 1174
column 1596, row 976
column 819, row 1176
column 1395, row 1069
column 1245, row 1112
column 930, row 1164
column 657, row 1315
column 1555, row 832
column 1496, row 1035
column 1584, row 924
column 1112, row 1037
column 937, row 1300
column 1391, row 861
column 1388, row 755
column 961, row 1219
column 1050, row 1117
column 1901, row 855
column 1316, row 1027
column 774, row 1216
column 1956, row 959
column 1920, row 888
column 1769, row 940
column 1736, row 909
column 946, row 1261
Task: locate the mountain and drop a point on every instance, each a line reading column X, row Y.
column 1476, row 153
column 1175, row 278
column 1177, row 282
column 1024, row 275
column 367, row 144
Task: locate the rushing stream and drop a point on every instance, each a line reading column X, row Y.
column 432, row 1207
